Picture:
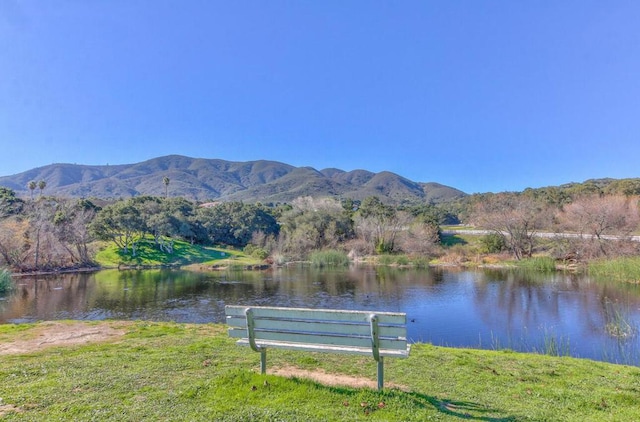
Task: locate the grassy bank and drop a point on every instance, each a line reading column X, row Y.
column 184, row 253
column 626, row 269
column 164, row 371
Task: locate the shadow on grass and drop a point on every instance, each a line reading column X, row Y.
column 449, row 240
column 148, row 253
column 371, row 400
column 461, row 409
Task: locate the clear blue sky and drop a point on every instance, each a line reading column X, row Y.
column 479, row 95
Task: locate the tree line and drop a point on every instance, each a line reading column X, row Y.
column 46, row 232
column 50, row 232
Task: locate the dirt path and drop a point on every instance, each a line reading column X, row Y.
column 330, row 379
column 50, row 334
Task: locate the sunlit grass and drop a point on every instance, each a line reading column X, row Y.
column 148, row 254
column 400, row 260
column 617, row 269
column 176, row 372
column 537, row 263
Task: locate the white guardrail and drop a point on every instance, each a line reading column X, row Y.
column 545, row 234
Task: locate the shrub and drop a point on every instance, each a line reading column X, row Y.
column 455, row 255
column 329, row 258
column 385, row 260
column 6, row 284
column 421, row 262
column 402, row 260
column 540, row 263
column 493, row 243
column 255, row 251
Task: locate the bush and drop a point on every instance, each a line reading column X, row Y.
column 329, row 258
column 6, row 284
column 493, row 243
column 402, row 260
column 255, row 251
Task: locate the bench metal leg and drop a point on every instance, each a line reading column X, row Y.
column 380, row 373
column 263, row 361
column 252, row 340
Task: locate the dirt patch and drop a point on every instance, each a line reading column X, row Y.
column 50, row 334
column 8, row 408
column 325, row 378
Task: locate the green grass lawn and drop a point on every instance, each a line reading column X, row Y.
column 184, row 253
column 185, row 372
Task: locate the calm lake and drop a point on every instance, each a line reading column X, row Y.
column 491, row 309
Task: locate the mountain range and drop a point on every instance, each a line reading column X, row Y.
column 219, row 180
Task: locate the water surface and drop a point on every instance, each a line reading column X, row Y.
column 491, row 309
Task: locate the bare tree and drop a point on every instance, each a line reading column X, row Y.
column 514, row 217
column 71, row 226
column 597, row 215
column 594, row 217
column 13, row 250
column 419, row 238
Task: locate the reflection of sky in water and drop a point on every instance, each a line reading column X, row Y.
column 488, row 309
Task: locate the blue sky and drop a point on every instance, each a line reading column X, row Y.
column 479, row 95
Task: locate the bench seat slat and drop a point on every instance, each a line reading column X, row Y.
column 397, row 353
column 316, row 314
column 321, row 338
column 357, row 329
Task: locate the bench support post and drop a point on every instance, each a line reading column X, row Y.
column 252, row 340
column 375, row 349
column 263, row 361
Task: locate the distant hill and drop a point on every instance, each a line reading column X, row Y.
column 213, row 179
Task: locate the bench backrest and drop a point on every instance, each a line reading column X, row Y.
column 344, row 331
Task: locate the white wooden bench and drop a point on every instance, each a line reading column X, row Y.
column 376, row 334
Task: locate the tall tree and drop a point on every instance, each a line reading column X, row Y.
column 165, row 182
column 32, row 185
column 41, row 185
column 233, row 223
column 122, row 223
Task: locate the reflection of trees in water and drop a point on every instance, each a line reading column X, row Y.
column 47, row 297
column 536, row 302
column 508, row 299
